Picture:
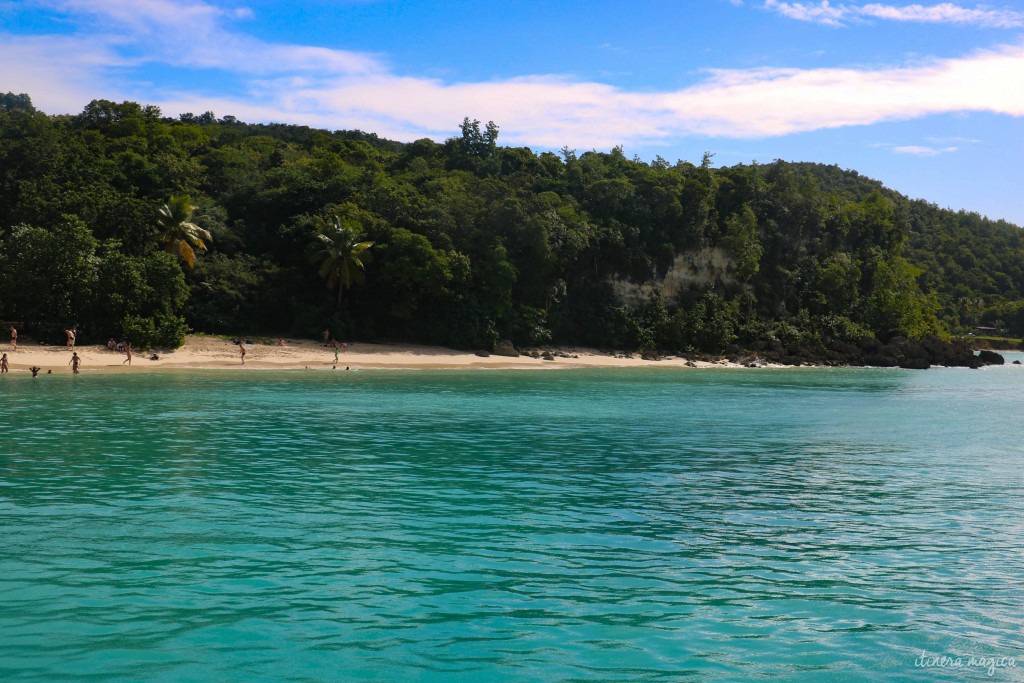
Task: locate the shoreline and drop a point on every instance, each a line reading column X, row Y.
column 211, row 353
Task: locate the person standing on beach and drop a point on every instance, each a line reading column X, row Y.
column 71, row 339
column 128, row 352
column 14, row 338
column 3, row 363
column 74, row 362
column 241, row 351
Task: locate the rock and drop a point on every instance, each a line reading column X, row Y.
column 990, row 357
column 650, row 355
column 483, row 354
column 503, row 347
column 547, row 356
column 915, row 364
column 535, row 354
column 1016, row 362
column 869, row 345
column 879, row 361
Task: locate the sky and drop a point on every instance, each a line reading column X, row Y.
column 926, row 97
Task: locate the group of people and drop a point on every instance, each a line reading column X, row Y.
column 121, row 347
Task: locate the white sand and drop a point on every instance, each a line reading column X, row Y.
column 202, row 351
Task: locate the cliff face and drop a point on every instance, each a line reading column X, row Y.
column 700, row 269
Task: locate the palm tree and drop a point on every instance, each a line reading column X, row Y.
column 341, row 256
column 176, row 232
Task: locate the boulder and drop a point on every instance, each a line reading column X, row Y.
column 879, row 361
column 547, row 356
column 503, row 347
column 483, row 354
column 915, row 364
column 990, row 357
column 868, row 344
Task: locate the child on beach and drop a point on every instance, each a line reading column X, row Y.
column 241, row 351
column 128, row 351
column 3, row 363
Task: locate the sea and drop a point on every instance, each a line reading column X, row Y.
column 650, row 524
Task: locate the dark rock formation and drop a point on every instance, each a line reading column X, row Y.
column 503, row 347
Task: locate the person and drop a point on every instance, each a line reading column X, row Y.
column 14, row 338
column 335, row 353
column 3, row 363
column 128, row 352
column 71, row 339
column 74, row 362
column 34, row 370
column 111, row 344
column 280, row 341
column 241, row 351
column 326, row 334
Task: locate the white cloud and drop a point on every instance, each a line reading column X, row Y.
column 922, row 151
column 339, row 89
column 944, row 13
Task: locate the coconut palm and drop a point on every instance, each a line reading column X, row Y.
column 176, row 232
column 341, row 256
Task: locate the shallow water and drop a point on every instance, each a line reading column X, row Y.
column 805, row 524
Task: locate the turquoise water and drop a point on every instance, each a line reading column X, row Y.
column 644, row 525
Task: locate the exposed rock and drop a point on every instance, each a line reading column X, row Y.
column 990, row 357
column 879, row 361
column 483, row 354
column 915, row 364
column 503, row 347
column 547, row 356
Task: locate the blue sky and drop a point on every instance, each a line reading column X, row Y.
column 927, row 97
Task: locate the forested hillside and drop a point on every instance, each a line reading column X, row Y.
column 138, row 226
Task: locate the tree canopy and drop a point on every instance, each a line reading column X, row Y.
column 131, row 223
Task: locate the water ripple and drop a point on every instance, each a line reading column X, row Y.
column 805, row 525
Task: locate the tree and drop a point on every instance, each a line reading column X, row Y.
column 341, row 256
column 177, row 234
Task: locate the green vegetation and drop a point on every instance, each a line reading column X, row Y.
column 138, row 226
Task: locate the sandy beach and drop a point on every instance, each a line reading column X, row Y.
column 202, row 351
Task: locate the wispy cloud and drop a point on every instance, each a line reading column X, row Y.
column 923, row 151
column 340, row 89
column 826, row 13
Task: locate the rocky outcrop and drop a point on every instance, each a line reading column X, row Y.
column 868, row 351
column 504, row 347
column 991, row 357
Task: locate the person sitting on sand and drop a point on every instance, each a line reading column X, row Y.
column 74, row 362
column 280, row 341
column 241, row 351
column 111, row 344
column 34, row 370
column 14, row 338
column 3, row 363
column 128, row 352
